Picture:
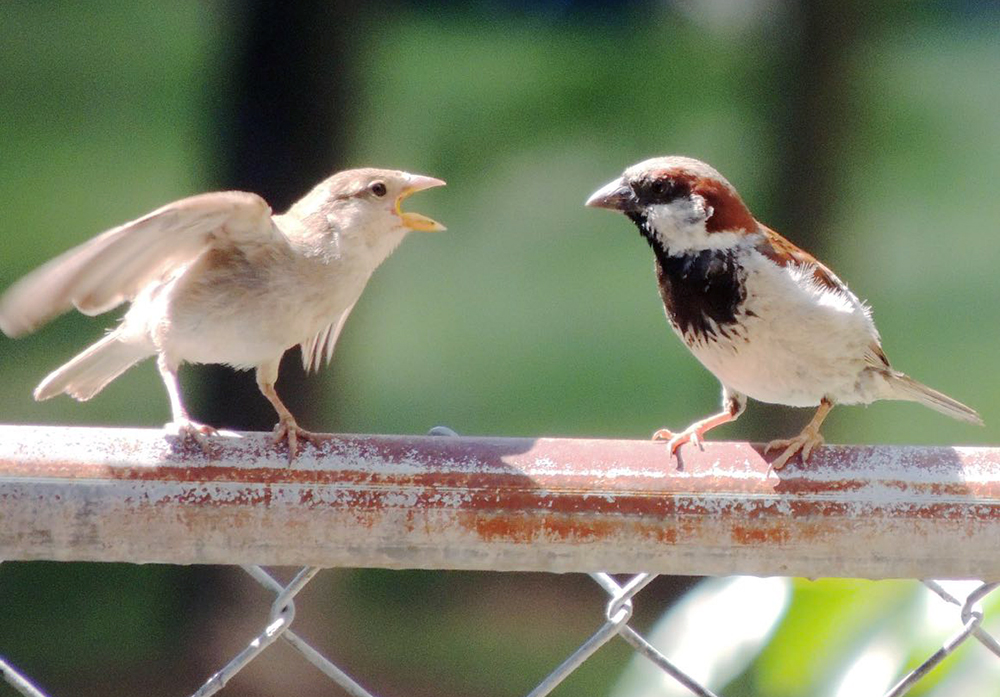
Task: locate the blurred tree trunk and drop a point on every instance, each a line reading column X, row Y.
column 281, row 119
column 279, row 135
column 813, row 116
column 812, row 129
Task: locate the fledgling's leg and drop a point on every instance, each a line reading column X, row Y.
column 286, row 429
column 805, row 441
column 180, row 422
column 733, row 404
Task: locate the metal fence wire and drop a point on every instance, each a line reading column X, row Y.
column 546, row 505
column 277, row 625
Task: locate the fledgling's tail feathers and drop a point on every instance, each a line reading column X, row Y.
column 87, row 373
column 905, row 387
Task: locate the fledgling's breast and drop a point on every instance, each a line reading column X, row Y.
column 767, row 331
column 243, row 310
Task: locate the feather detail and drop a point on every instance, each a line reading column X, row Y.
column 318, row 350
column 905, row 387
column 309, row 357
column 783, row 253
column 875, row 358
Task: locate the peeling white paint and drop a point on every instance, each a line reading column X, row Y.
column 552, row 505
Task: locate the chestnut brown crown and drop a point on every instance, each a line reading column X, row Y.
column 695, row 189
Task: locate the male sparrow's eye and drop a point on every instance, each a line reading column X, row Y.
column 662, row 190
column 378, row 188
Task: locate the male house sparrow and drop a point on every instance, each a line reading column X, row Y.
column 216, row 278
column 765, row 317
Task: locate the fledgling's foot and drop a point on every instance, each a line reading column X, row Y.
column 804, row 442
column 192, row 431
column 289, row 431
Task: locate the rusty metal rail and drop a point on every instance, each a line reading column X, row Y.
column 500, row 504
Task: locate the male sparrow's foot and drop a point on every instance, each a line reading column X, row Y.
column 696, row 431
column 692, row 433
column 805, row 441
column 289, row 431
column 188, row 430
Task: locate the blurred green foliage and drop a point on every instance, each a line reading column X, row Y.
column 835, row 615
column 532, row 315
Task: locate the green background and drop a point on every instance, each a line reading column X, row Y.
column 531, row 315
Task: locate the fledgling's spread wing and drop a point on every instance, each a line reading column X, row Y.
column 113, row 267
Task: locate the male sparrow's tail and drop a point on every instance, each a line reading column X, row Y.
column 88, row 373
column 905, row 387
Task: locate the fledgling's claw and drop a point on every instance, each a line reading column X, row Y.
column 289, row 431
column 192, row 431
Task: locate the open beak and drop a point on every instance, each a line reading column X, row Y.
column 615, row 195
column 415, row 221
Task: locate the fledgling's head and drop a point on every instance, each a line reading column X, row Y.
column 366, row 202
column 679, row 204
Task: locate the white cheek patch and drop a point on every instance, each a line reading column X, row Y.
column 680, row 225
column 676, row 221
column 701, row 210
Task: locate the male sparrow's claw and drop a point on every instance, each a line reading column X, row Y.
column 674, row 444
column 804, row 443
column 696, row 440
column 663, row 434
column 676, row 440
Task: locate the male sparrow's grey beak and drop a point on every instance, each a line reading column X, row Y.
column 615, row 195
column 415, row 221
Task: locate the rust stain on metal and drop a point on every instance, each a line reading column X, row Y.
column 666, row 535
column 525, row 529
column 486, row 500
column 764, row 535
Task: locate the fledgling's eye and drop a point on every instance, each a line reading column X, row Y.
column 378, row 188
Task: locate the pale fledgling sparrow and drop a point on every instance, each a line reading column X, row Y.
column 216, row 278
column 765, row 317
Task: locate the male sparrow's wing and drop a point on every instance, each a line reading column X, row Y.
column 783, row 253
column 100, row 274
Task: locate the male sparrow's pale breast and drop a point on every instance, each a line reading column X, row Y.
column 776, row 333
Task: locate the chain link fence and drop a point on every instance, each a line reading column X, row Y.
column 277, row 625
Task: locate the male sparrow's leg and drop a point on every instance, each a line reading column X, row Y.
column 181, row 423
column 286, row 429
column 733, row 404
column 805, row 441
